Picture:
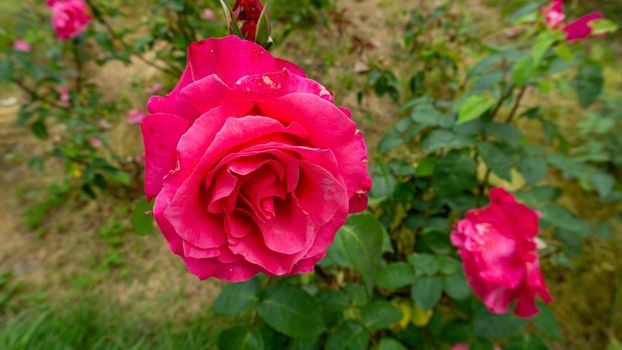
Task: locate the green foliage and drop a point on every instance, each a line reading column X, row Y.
column 459, row 135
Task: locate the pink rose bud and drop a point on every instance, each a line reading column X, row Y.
column 69, row 17
column 208, row 14
column 135, row 116
column 96, row 143
column 581, row 29
column 248, row 12
column 22, row 46
column 498, row 249
column 252, row 165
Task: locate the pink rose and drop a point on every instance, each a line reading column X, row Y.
column 252, row 165
column 22, row 46
column 499, row 253
column 69, row 17
column 579, row 29
column 135, row 116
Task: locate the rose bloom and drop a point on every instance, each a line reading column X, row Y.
column 22, row 46
column 498, row 248
column 69, row 17
column 579, row 29
column 252, row 166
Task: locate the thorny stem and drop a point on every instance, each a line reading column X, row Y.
column 78, row 62
column 173, row 71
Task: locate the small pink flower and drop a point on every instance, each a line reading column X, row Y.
column 498, row 249
column 208, row 14
column 22, row 46
column 96, row 143
column 554, row 14
column 460, row 347
column 69, row 17
column 64, row 94
column 135, row 116
column 153, row 89
column 140, row 159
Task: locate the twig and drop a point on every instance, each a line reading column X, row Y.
column 519, row 98
column 35, row 95
column 173, row 71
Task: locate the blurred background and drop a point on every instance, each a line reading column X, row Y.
column 80, row 268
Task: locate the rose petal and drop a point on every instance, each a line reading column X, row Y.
column 161, row 133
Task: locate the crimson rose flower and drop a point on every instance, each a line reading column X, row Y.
column 69, row 17
column 554, row 17
column 252, row 166
column 499, row 253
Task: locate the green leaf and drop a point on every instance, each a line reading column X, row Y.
column 448, row 265
column 563, row 218
column 291, row 311
column 380, row 315
column 437, row 241
column 439, row 139
column 589, row 83
column 453, row 174
column 543, row 42
column 395, row 275
column 602, row 26
column 546, row 322
column 523, row 70
column 428, row 115
column 533, row 169
column 390, row 344
column 361, row 239
column 526, row 342
column 6, row 70
column 474, row 107
column 424, row 264
column 263, row 37
column 304, row 344
column 350, row 335
column 333, row 303
column 425, row 167
column 40, row 129
column 142, row 223
column 456, row 286
column 496, row 160
column 426, row 291
column 489, row 325
column 239, row 338
column 357, row 294
column 236, row 298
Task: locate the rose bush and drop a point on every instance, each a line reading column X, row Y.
column 498, row 248
column 252, row 165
